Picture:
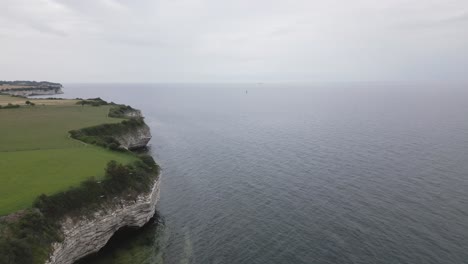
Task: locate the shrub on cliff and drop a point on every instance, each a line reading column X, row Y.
column 93, row 102
column 27, row 238
column 104, row 135
column 120, row 111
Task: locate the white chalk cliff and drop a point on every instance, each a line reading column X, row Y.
column 136, row 138
column 82, row 237
column 85, row 236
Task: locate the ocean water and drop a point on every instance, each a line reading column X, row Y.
column 297, row 173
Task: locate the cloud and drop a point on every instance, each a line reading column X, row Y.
column 456, row 21
column 453, row 20
column 191, row 40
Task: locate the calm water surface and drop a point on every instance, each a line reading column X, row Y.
column 356, row 173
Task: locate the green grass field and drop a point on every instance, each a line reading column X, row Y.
column 37, row 155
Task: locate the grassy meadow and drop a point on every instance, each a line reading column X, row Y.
column 38, row 156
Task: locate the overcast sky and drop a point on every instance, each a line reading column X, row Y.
column 233, row 40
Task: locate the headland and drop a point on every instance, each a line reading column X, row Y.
column 70, row 178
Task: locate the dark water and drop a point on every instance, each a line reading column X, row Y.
column 349, row 173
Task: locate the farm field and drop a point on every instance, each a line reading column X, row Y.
column 38, row 156
column 5, row 99
column 26, row 174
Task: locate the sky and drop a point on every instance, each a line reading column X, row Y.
column 234, row 40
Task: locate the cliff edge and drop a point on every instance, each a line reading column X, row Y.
column 85, row 236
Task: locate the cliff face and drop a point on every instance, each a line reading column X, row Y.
column 85, row 236
column 34, row 91
column 136, row 138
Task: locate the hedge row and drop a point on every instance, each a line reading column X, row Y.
column 9, row 106
column 47, row 88
column 117, row 110
column 92, row 101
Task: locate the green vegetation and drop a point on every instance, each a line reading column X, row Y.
column 38, row 156
column 26, row 237
column 47, row 127
column 119, row 111
column 93, row 102
column 9, row 106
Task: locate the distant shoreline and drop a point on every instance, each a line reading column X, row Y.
column 30, row 88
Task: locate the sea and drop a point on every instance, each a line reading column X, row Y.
column 266, row 173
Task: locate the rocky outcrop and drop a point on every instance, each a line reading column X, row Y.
column 134, row 113
column 82, row 237
column 135, row 138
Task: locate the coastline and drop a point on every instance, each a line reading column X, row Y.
column 83, row 230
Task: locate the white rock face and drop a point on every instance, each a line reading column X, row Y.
column 137, row 138
column 86, row 236
column 35, row 91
